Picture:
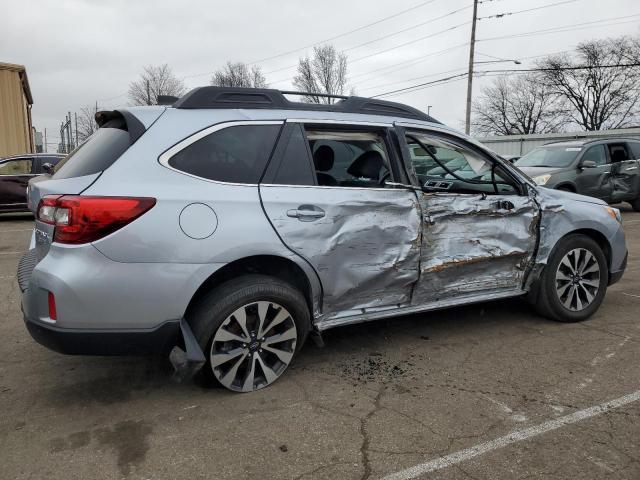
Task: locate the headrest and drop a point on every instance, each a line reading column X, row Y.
column 323, row 158
column 367, row 165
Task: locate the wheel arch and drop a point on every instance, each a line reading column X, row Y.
column 270, row 265
column 597, row 237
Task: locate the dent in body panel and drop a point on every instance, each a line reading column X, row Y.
column 472, row 245
column 365, row 249
column 563, row 213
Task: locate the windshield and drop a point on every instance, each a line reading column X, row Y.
column 549, row 157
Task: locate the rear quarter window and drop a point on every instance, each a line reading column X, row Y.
column 235, row 154
column 97, row 153
column 635, row 150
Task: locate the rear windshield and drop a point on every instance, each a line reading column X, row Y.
column 97, row 153
column 549, row 157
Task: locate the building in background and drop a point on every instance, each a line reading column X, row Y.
column 16, row 132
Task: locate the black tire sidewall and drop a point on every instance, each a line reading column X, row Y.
column 212, row 310
column 565, row 245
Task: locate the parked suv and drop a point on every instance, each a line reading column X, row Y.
column 232, row 224
column 605, row 169
column 15, row 173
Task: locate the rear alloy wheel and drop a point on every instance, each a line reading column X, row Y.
column 574, row 282
column 253, row 346
column 250, row 329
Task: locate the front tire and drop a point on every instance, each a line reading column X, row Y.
column 250, row 328
column 574, row 281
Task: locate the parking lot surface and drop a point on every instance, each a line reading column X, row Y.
column 489, row 391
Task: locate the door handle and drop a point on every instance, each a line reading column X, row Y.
column 306, row 213
column 505, row 205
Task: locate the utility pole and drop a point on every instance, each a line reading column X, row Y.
column 76, row 115
column 472, row 45
column 45, row 139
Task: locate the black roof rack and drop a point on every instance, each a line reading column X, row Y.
column 255, row 98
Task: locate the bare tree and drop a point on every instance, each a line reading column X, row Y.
column 239, row 75
column 154, row 81
column 87, row 122
column 517, row 105
column 324, row 72
column 605, row 94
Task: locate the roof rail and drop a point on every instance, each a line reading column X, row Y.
column 266, row 98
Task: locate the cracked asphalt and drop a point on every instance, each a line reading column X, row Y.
column 378, row 398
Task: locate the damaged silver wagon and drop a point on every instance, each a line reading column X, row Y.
column 235, row 222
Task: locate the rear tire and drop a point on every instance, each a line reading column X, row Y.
column 635, row 204
column 564, row 188
column 574, row 282
column 250, row 328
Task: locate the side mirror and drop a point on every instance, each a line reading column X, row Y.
column 48, row 168
column 588, row 164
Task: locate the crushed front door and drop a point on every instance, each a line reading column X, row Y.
column 473, row 244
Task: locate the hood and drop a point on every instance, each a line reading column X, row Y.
column 537, row 171
column 562, row 196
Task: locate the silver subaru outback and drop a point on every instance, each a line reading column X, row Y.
column 228, row 226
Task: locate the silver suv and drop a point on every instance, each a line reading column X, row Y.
column 229, row 226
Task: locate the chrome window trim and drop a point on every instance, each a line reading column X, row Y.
column 164, row 157
column 359, row 123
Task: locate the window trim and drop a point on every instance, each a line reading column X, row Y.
column 165, row 156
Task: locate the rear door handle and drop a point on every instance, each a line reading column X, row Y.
column 306, row 213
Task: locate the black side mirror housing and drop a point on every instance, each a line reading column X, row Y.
column 48, row 168
column 588, row 164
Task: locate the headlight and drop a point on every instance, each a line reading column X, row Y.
column 615, row 213
column 542, row 179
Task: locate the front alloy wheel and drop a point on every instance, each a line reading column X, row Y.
column 253, row 346
column 577, row 279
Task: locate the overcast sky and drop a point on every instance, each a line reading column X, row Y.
column 78, row 52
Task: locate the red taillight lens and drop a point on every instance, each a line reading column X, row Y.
column 80, row 219
column 52, row 307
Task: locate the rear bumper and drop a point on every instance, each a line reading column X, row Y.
column 88, row 342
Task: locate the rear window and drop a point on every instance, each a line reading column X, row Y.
column 234, row 154
column 97, row 153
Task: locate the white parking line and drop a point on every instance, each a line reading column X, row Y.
column 17, row 230
column 513, row 437
column 11, row 253
column 630, row 295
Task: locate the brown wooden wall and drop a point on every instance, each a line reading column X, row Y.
column 15, row 122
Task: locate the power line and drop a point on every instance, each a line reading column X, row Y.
column 564, row 28
column 502, row 71
column 402, row 65
column 410, row 28
column 425, row 37
column 343, row 34
column 505, row 14
column 416, row 78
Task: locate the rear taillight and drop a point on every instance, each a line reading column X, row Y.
column 79, row 219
